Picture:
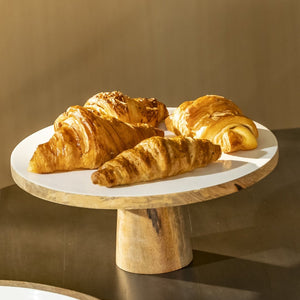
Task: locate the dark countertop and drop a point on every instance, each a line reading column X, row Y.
column 245, row 245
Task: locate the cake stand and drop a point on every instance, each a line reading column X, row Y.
column 152, row 234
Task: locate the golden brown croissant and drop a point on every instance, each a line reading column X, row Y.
column 216, row 119
column 83, row 140
column 126, row 109
column 155, row 158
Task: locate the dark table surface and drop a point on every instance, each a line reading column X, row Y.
column 245, row 245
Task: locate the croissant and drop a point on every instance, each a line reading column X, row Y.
column 155, row 158
column 126, row 109
column 216, row 119
column 83, row 140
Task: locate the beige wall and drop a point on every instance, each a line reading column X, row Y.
column 56, row 53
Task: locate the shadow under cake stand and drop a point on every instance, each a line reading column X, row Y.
column 152, row 234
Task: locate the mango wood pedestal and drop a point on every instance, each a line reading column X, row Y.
column 152, row 235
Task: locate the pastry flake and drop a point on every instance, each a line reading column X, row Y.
column 131, row 110
column 156, row 158
column 83, row 140
column 217, row 119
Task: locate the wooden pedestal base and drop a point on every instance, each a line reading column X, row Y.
column 149, row 241
column 152, row 241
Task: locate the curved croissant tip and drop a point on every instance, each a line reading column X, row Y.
column 217, row 152
column 99, row 177
column 39, row 162
column 35, row 167
column 32, row 167
column 94, row 178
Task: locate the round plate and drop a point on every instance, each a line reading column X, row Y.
column 229, row 174
column 16, row 290
column 12, row 292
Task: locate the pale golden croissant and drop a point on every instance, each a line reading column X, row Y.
column 83, row 140
column 131, row 110
column 155, row 158
column 216, row 119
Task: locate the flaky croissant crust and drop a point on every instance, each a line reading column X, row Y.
column 156, row 158
column 217, row 119
column 83, row 140
column 131, row 110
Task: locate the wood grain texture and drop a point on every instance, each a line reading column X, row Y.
column 152, row 241
column 151, row 231
column 144, row 202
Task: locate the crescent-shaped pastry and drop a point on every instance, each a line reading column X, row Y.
column 131, row 110
column 155, row 158
column 83, row 140
column 217, row 119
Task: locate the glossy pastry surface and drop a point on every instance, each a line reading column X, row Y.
column 83, row 140
column 217, row 119
column 155, row 158
column 131, row 110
